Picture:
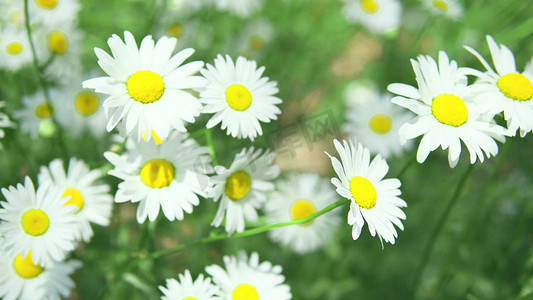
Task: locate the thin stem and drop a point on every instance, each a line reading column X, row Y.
column 209, row 141
column 438, row 228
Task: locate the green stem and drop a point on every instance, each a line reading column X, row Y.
column 209, row 141
column 407, row 166
column 438, row 228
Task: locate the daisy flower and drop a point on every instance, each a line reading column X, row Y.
column 170, row 175
column 505, row 90
column 187, row 289
column 379, row 16
column 241, row 8
column 4, row 121
column 187, row 32
column 21, row 278
column 296, row 197
column 35, row 117
column 254, row 38
column 12, row 14
column 242, row 188
column 375, row 124
column 146, row 86
column 53, row 13
column 91, row 199
column 372, row 198
column 41, row 222
column 446, row 113
column 15, row 50
column 245, row 279
column 449, row 8
column 239, row 97
column 360, row 91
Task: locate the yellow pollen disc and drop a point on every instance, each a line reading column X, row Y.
column 449, row 109
column 237, row 185
column 238, row 97
column 57, row 42
column 145, row 86
column 440, row 5
column 25, row 267
column 35, row 222
column 302, row 208
column 370, row 6
column 157, row 173
column 380, row 123
column 157, row 140
column 14, row 48
column 516, row 86
column 48, row 4
column 363, row 192
column 86, row 103
column 245, row 292
column 75, row 198
column 190, row 298
column 256, row 43
column 175, row 30
column 43, row 110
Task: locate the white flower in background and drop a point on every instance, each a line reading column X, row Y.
column 375, row 124
column 239, row 97
column 296, row 197
column 242, row 188
column 12, row 14
column 373, row 200
column 184, row 7
column 35, row 117
column 24, row 279
column 15, row 50
column 254, row 38
column 43, row 222
column 188, row 33
column 241, row 8
column 449, row 8
column 360, row 91
column 146, row 86
column 445, row 112
column 170, row 175
column 53, row 13
column 91, row 199
column 4, row 121
column 379, row 16
column 187, row 289
column 245, row 279
column 505, row 90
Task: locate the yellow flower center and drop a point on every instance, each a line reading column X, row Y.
column 43, row 110
column 256, row 43
column 190, row 298
column 245, row 292
column 449, row 109
column 380, row 123
column 14, row 48
column 175, row 30
column 237, row 185
column 48, row 4
column 302, row 208
column 16, row 17
column 440, row 5
column 145, row 86
column 370, row 6
column 157, row 140
column 238, row 97
column 25, row 267
column 57, row 42
column 516, row 86
column 35, row 222
column 75, row 198
column 157, row 173
column 363, row 192
column 86, row 103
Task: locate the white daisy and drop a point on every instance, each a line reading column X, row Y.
column 23, row 279
column 372, row 198
column 254, row 38
column 242, row 188
column 375, row 124
column 379, row 16
column 188, row 33
column 146, row 86
column 170, row 175
column 296, row 197
column 4, row 121
column 239, row 97
column 505, row 89
column 446, row 114
column 39, row 222
column 187, row 289
column 91, row 199
column 360, row 91
column 15, row 50
column 241, row 8
column 12, row 14
column 245, row 279
column 449, row 8
column 35, row 117
column 53, row 13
